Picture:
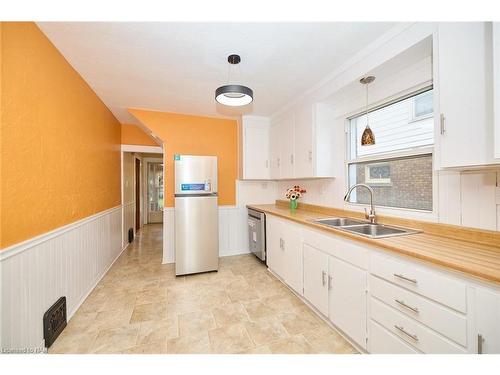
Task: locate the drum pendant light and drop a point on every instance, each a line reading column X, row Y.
column 368, row 138
column 234, row 95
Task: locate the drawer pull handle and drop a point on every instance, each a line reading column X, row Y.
column 480, row 341
column 402, row 303
column 323, row 276
column 402, row 330
column 402, row 277
column 330, row 279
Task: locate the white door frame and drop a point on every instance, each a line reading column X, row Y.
column 135, row 149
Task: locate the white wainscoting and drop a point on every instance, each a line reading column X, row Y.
column 68, row 261
column 232, row 232
column 128, row 220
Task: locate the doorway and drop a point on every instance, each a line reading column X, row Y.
column 155, row 192
column 137, row 194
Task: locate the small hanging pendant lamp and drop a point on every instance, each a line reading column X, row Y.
column 234, row 95
column 367, row 138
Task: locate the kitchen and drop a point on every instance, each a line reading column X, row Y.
column 351, row 210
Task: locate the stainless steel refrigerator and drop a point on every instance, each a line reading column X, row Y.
column 196, row 214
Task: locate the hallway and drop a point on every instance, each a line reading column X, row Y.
column 140, row 306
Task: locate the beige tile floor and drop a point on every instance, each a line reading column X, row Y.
column 140, row 306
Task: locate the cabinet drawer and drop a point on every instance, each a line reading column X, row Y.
column 409, row 330
column 430, row 284
column 384, row 342
column 441, row 319
column 338, row 247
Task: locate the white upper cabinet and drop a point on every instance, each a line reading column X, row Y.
column 496, row 83
column 464, row 75
column 255, row 148
column 281, row 147
column 301, row 143
column 304, row 120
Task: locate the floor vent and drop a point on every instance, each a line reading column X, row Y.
column 130, row 235
column 54, row 321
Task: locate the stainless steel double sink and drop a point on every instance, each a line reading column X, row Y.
column 364, row 228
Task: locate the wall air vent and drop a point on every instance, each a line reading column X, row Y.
column 54, row 321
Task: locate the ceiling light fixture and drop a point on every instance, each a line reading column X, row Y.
column 234, row 95
column 368, row 138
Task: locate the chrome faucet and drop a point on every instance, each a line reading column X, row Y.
column 370, row 216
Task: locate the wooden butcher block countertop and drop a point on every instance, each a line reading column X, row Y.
column 474, row 252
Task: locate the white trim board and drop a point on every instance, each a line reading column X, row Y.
column 138, row 148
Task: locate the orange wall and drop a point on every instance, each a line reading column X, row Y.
column 59, row 143
column 134, row 135
column 196, row 135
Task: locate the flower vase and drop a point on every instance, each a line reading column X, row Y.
column 293, row 204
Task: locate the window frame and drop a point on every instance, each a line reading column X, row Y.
column 414, row 151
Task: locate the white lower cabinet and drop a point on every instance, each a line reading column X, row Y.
column 337, row 289
column 347, row 299
column 383, row 341
column 284, row 251
column 384, row 303
column 316, row 278
column 486, row 337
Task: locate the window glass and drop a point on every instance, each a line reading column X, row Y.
column 398, row 180
column 403, row 182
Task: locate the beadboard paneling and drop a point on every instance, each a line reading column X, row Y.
column 66, row 262
column 232, row 220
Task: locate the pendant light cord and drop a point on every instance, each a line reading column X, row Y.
column 367, row 123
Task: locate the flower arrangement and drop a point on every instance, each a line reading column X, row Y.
column 293, row 194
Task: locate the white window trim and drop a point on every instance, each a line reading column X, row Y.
column 425, row 215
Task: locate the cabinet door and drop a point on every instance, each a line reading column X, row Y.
column 287, row 157
column 347, row 299
column 316, row 278
column 275, row 150
column 487, row 322
column 256, row 152
column 274, row 245
column 465, row 85
column 303, row 150
column 292, row 244
column 496, row 83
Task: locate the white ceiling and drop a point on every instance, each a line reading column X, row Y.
column 176, row 67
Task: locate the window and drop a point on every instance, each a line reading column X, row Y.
column 378, row 173
column 423, row 105
column 399, row 166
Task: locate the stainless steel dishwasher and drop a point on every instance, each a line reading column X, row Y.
column 257, row 233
